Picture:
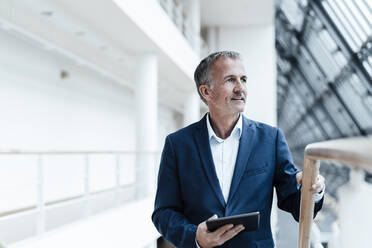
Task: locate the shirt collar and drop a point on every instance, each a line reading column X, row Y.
column 236, row 130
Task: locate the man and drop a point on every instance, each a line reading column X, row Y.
column 224, row 165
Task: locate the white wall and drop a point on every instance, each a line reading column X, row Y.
column 256, row 45
column 38, row 110
column 41, row 111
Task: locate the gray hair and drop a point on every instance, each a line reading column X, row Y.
column 202, row 72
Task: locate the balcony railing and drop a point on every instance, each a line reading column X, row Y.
column 127, row 179
column 356, row 152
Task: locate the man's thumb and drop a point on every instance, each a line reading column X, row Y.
column 213, row 217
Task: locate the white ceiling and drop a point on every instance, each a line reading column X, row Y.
column 103, row 39
column 236, row 13
column 106, row 40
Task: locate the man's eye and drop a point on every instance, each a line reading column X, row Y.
column 244, row 80
column 230, row 80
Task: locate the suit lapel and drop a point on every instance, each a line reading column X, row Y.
column 244, row 152
column 205, row 153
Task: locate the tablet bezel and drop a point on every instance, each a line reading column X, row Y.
column 251, row 221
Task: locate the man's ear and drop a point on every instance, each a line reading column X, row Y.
column 204, row 91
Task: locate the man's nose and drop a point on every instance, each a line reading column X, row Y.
column 238, row 85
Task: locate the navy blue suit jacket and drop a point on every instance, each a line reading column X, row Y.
column 189, row 192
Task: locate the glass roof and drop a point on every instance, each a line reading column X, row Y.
column 324, row 83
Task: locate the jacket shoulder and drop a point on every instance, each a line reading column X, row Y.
column 184, row 132
column 262, row 127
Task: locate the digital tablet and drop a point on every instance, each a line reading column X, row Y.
column 250, row 221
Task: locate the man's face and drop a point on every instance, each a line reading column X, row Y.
column 229, row 90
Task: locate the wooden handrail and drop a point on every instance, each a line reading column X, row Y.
column 356, row 152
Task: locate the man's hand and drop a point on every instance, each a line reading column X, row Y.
column 208, row 239
column 317, row 187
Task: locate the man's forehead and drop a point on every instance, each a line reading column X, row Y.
column 227, row 65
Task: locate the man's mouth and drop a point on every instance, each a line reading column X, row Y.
column 238, row 99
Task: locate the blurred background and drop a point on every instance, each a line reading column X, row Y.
column 90, row 89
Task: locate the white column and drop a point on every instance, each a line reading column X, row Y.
column 146, row 101
column 212, row 39
column 191, row 112
column 194, row 22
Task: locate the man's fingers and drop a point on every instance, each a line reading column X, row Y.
column 203, row 225
column 319, row 185
column 315, row 188
column 220, row 231
column 299, row 177
column 213, row 217
column 232, row 232
column 224, row 233
column 321, row 179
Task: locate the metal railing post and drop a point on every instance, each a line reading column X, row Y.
column 87, row 186
column 40, row 228
column 117, row 185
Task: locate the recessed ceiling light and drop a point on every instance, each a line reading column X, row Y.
column 64, row 74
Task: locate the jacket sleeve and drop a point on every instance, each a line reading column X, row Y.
column 167, row 216
column 287, row 189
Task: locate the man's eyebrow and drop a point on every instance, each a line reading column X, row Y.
column 232, row 75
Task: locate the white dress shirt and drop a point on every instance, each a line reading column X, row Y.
column 224, row 152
